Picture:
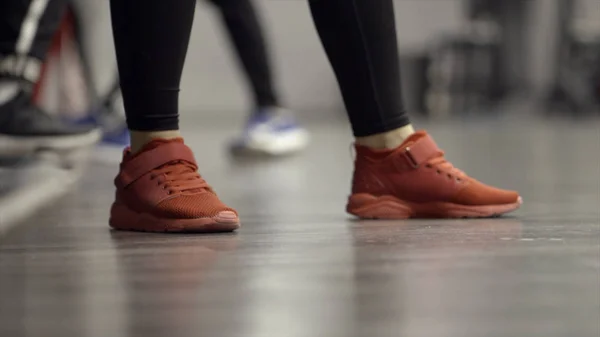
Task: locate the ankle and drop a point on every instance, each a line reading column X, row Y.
column 387, row 140
column 141, row 138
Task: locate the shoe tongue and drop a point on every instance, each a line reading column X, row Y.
column 153, row 144
column 412, row 139
column 383, row 153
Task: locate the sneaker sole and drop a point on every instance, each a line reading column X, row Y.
column 18, row 145
column 122, row 218
column 366, row 206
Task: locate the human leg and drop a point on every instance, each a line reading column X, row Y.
column 398, row 173
column 270, row 129
column 158, row 187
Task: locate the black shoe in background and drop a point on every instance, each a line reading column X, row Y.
column 26, row 128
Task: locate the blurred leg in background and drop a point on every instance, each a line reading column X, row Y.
column 270, row 128
column 26, row 30
column 96, row 47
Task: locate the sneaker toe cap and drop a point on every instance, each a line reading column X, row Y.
column 227, row 217
column 204, row 205
column 477, row 193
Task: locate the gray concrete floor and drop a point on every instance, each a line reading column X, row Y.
column 301, row 267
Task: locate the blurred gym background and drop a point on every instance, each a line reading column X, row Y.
column 459, row 57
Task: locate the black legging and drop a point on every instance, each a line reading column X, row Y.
column 240, row 19
column 359, row 36
column 245, row 31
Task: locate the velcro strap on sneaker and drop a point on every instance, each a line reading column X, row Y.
column 149, row 160
column 421, row 151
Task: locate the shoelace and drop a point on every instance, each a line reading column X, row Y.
column 180, row 177
column 442, row 165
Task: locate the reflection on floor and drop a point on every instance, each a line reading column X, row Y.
column 301, row 267
column 27, row 184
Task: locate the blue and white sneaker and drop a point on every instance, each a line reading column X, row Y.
column 114, row 133
column 272, row 132
column 115, row 136
column 114, row 139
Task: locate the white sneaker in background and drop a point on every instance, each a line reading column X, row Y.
column 272, row 132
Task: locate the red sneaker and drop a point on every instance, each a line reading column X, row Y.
column 160, row 190
column 415, row 181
